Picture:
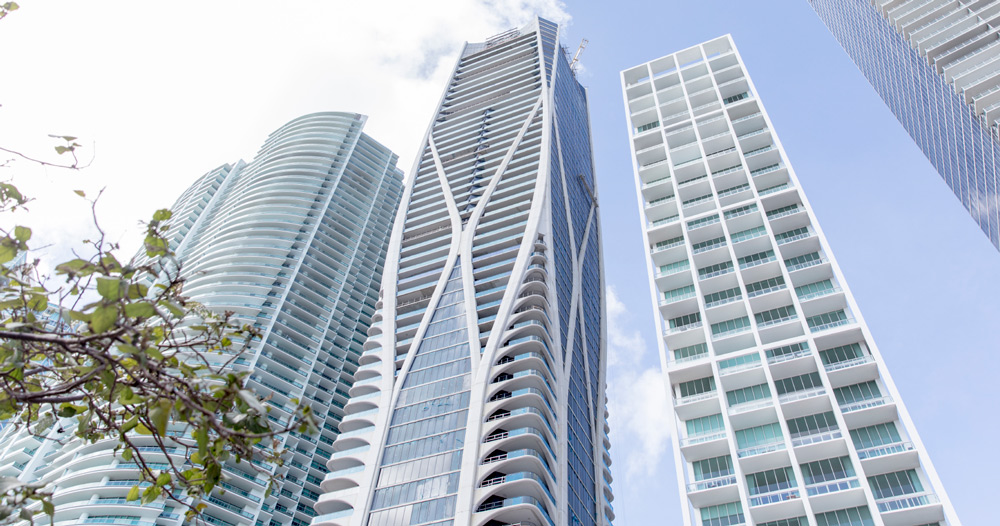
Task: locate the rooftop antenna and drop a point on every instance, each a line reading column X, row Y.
column 576, row 57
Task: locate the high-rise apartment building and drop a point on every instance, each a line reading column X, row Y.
column 293, row 243
column 936, row 64
column 784, row 412
column 480, row 399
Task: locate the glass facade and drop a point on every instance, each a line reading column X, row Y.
column 926, row 61
column 483, row 386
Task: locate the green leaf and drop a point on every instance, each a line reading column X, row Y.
column 163, row 479
column 137, row 290
column 38, row 303
column 127, row 454
column 22, row 233
column 103, row 318
column 48, row 507
column 162, row 214
column 66, row 411
column 133, row 494
column 159, row 414
column 109, row 288
column 7, row 252
column 80, row 193
column 142, row 309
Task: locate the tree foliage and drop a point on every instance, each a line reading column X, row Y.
column 114, row 351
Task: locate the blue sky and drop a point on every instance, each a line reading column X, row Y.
column 166, row 95
column 926, row 278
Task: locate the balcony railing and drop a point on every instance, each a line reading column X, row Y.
column 730, row 332
column 717, row 482
column 773, row 497
column 701, row 439
column 695, row 398
column 816, row 438
column 760, row 450
column 750, row 406
column 865, row 404
column 801, row 395
column 835, row 323
column 832, row 487
column 837, row 366
column 907, row 502
column 885, row 449
column 682, row 328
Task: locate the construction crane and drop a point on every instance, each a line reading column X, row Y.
column 576, row 57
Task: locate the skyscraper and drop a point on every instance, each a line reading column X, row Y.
column 294, row 244
column 480, row 399
column 784, row 412
column 936, row 65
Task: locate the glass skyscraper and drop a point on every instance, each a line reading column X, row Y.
column 784, row 412
column 480, row 399
column 294, row 244
column 936, row 64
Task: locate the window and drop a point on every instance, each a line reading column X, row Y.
column 759, row 436
column 690, row 351
column 827, row 470
column 827, row 319
column 678, row 294
column 694, row 387
column 728, row 326
column 762, row 287
column 813, row 290
column 890, row 485
column 749, row 234
column 715, row 270
column 803, row 261
column 685, row 320
column 705, row 221
column 756, row 259
column 675, row 267
column 787, row 350
column 812, row 424
column 722, row 515
column 875, row 435
column 708, row 245
column 791, row 235
column 740, row 211
column 722, row 296
column 850, row 517
column 841, row 354
column 770, row 480
column 705, row 425
column 785, row 210
column 774, row 316
column 798, row 383
column 711, row 468
column 748, row 394
column 746, row 359
column 857, row 392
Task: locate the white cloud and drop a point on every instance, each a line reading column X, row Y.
column 637, row 396
column 166, row 95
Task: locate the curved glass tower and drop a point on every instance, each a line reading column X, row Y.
column 294, row 244
column 784, row 412
column 480, row 397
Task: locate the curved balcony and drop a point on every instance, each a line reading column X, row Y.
column 515, row 510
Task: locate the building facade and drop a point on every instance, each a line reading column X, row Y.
column 293, row 243
column 936, row 64
column 784, row 412
column 480, row 399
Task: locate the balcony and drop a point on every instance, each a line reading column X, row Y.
column 907, row 502
column 760, row 449
column 774, row 497
column 865, row 404
column 686, row 400
column 886, row 449
column 717, row 482
column 816, row 438
column 828, row 487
